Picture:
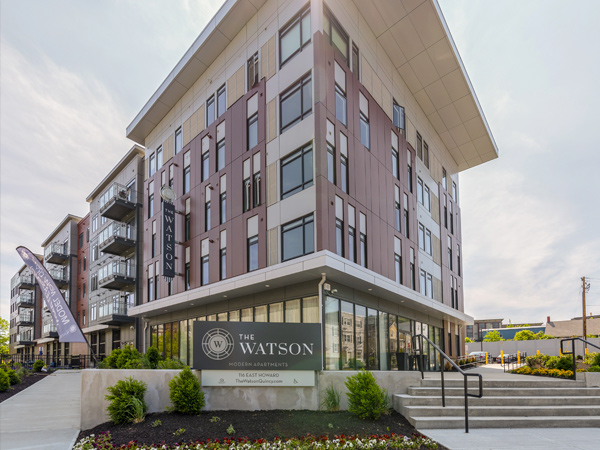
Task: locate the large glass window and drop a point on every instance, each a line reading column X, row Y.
column 292, row 311
column 339, row 237
column 252, row 70
column 187, row 179
column 223, row 207
column 221, row 101
column 398, row 116
column 204, row 270
column 205, row 165
column 332, row 334
column 372, row 334
column 330, row 163
column 221, row 155
column 341, row 113
column 352, row 244
column 347, row 337
column 252, row 131
column 297, row 238
column 344, row 173
column 276, row 312
column 296, row 103
column 297, row 171
column 365, row 138
column 336, row 34
column 310, row 310
column 178, row 140
column 384, row 341
column 210, row 110
column 223, row 263
column 294, row 36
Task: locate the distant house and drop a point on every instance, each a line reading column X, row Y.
column 573, row 327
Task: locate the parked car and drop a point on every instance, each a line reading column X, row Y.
column 508, row 357
column 479, row 356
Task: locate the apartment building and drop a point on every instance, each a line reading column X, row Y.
column 83, row 265
column 314, row 149
column 25, row 322
column 115, row 239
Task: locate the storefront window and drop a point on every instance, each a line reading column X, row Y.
column 393, row 337
column 276, row 312
column 310, row 310
column 183, row 341
column 260, row 313
column 292, row 311
column 347, row 338
column 383, row 341
column 372, row 348
column 332, row 334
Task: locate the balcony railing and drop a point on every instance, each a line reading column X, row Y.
column 117, row 201
column 60, row 276
column 56, row 253
column 25, row 318
column 116, row 275
column 25, row 299
column 49, row 330
column 113, row 311
column 117, row 238
column 22, row 282
column 25, row 337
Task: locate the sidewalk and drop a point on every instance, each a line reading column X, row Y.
column 44, row 416
column 512, row 438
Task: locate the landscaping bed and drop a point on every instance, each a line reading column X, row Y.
column 27, row 381
column 172, row 428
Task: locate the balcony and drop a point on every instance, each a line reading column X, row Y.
column 56, row 253
column 60, row 277
column 23, row 282
column 24, row 318
column 117, row 239
column 49, row 330
column 113, row 312
column 25, row 337
column 25, row 300
column 117, row 202
column 119, row 275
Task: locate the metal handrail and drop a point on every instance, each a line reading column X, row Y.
column 453, row 364
column 572, row 352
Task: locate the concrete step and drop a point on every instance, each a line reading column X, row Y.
column 408, row 400
column 502, row 411
column 423, row 423
column 510, row 392
column 473, row 383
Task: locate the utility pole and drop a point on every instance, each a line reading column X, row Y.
column 584, row 289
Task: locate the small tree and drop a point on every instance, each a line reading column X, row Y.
column 126, row 399
column 4, row 336
column 525, row 335
column 185, row 393
column 493, row 336
column 365, row 398
column 468, row 340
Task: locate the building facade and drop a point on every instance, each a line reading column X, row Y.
column 25, row 318
column 115, row 256
column 314, row 149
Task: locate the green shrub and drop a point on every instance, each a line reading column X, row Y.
column 153, row 357
column 185, row 393
column 170, row 364
column 595, row 360
column 126, row 358
column 594, row 369
column 123, row 408
column 38, row 365
column 13, row 377
column 22, row 372
column 552, row 362
column 565, row 363
column 331, row 400
column 365, row 398
column 4, row 381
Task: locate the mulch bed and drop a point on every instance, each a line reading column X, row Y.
column 24, row 384
column 159, row 427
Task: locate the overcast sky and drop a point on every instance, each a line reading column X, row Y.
column 75, row 73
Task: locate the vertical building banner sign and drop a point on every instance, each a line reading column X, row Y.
column 68, row 330
column 168, row 240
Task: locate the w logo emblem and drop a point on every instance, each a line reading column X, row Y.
column 217, row 344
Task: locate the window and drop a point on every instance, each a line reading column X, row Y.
column 341, row 105
column 223, row 207
column 355, row 61
column 159, row 157
column 397, row 214
column 398, row 267
column 336, row 34
column 331, row 163
column 449, row 252
column 221, row 154
column 256, row 189
column 421, row 236
column 420, row 190
column 80, row 241
column 252, row 253
column 207, row 216
column 153, row 243
column 171, row 175
column 428, row 248
column 294, row 36
column 253, row 131
column 426, row 154
column 221, row 101
column 151, row 165
column 422, row 278
column 252, row 70
column 398, row 116
column 223, row 264
column 204, row 271
column 412, row 269
column 94, row 223
column 425, row 239
column 296, row 103
column 419, row 147
column 457, row 259
column 297, row 171
column 187, row 179
column 94, row 282
column 187, row 276
column 210, row 110
column 246, row 195
column 429, row 287
column 205, row 165
column 363, row 249
column 409, row 170
column 84, row 263
column 344, row 173
column 451, row 218
column 339, row 237
column 187, row 227
column 83, row 316
column 454, row 192
column 395, row 164
column 352, row 244
column 297, row 238
column 150, row 205
column 150, row 283
column 364, row 130
column 178, row 140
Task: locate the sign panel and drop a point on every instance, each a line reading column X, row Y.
column 288, row 378
column 257, row 345
column 168, row 240
column 67, row 328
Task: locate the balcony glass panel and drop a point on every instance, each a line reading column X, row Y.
column 26, row 335
column 116, row 229
column 111, row 306
column 117, row 191
column 58, row 274
column 26, row 316
column 55, row 249
column 116, row 269
column 25, row 298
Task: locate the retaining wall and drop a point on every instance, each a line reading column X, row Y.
column 546, row 346
column 95, row 381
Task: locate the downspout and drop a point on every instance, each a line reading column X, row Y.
column 321, row 316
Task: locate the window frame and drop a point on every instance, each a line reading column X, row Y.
column 299, row 85
column 334, row 24
column 178, row 141
column 252, row 247
column 221, row 97
column 252, row 124
column 301, row 154
column 211, row 104
column 297, row 20
column 252, row 62
column 304, row 223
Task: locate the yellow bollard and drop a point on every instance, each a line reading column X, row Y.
column 486, row 357
column 519, row 357
column 560, row 353
column 502, row 357
column 587, row 351
column 538, row 353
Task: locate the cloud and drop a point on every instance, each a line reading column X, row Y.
column 61, row 133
